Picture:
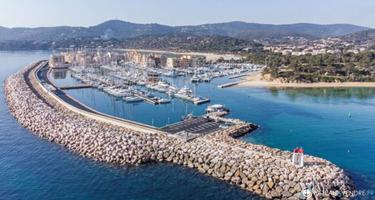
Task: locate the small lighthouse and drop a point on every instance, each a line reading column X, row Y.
column 297, row 158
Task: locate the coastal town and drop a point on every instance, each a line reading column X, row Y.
column 298, row 46
column 135, row 75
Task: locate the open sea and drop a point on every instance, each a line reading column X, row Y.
column 335, row 124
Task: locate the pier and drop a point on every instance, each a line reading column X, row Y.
column 72, row 87
column 147, row 99
column 229, row 84
column 267, row 172
column 238, row 76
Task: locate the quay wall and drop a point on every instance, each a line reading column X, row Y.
column 93, row 115
column 262, row 170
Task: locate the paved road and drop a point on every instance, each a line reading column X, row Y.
column 27, row 80
column 42, row 75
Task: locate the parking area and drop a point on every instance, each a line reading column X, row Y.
column 197, row 125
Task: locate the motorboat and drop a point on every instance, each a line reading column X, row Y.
column 141, row 83
column 195, row 79
column 132, row 99
column 217, row 108
column 171, row 73
column 164, row 101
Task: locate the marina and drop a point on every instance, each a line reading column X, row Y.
column 188, row 128
column 305, row 115
column 129, row 78
column 126, row 107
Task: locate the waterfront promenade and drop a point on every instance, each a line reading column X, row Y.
column 265, row 171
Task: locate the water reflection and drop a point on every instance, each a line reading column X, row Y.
column 325, row 94
column 59, row 73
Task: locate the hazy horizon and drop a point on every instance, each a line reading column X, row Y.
column 178, row 25
column 44, row 13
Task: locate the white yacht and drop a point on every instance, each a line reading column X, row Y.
column 132, row 99
column 195, row 79
column 171, row 73
column 216, row 108
column 141, row 83
column 164, row 101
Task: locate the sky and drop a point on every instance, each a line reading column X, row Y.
column 37, row 13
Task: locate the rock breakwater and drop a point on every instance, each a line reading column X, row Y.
column 265, row 171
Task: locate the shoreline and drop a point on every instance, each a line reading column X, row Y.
column 255, row 80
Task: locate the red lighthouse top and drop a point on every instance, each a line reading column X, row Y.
column 298, row 150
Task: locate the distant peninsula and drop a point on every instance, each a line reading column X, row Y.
column 307, row 70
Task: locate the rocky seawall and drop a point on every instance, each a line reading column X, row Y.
column 265, row 171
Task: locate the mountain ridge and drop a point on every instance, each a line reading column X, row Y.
column 118, row 29
column 362, row 36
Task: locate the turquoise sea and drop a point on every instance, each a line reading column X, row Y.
column 336, row 124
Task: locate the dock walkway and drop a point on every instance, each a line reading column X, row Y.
column 72, row 87
column 225, row 85
column 147, row 99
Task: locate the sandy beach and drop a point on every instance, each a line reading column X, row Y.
column 255, row 80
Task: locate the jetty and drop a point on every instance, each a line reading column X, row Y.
column 267, row 172
column 147, row 99
column 72, row 87
column 225, row 85
column 239, row 75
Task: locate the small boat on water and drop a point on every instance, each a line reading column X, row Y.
column 132, row 99
column 206, row 79
column 184, row 93
column 171, row 93
column 164, row 101
column 171, row 73
column 141, row 83
column 149, row 95
column 195, row 79
column 217, row 109
column 200, row 100
column 188, row 116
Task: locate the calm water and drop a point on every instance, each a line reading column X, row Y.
column 31, row 168
column 336, row 124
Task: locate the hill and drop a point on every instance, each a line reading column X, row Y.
column 169, row 41
column 362, row 36
column 252, row 31
column 116, row 29
column 180, row 41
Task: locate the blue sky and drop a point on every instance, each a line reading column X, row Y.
column 32, row 13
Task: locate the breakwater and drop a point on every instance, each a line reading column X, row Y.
column 259, row 169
